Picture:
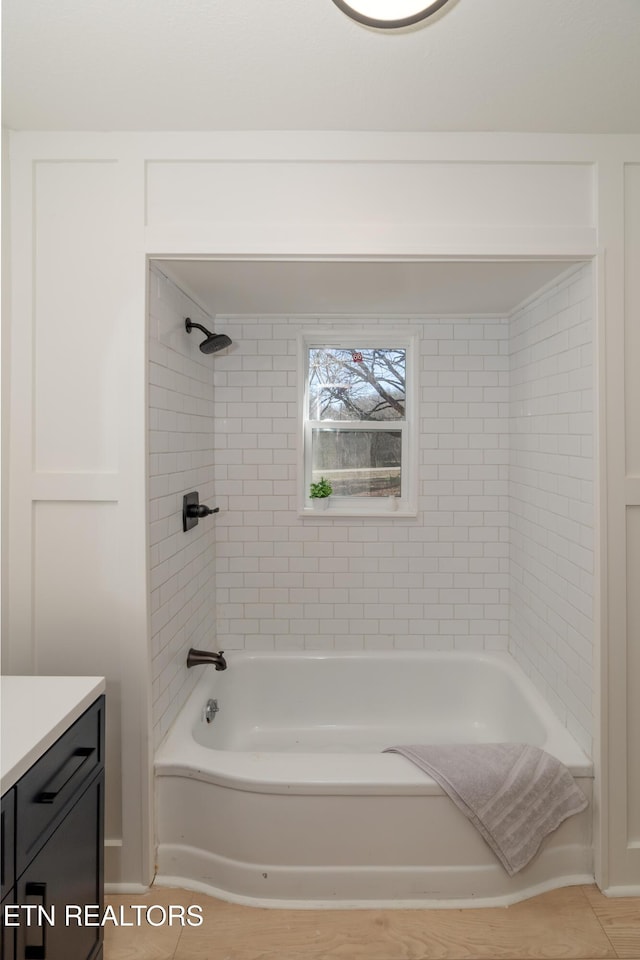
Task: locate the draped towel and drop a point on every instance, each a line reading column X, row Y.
column 513, row 793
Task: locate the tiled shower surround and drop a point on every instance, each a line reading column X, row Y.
column 442, row 580
column 551, row 497
column 438, row 581
column 182, row 566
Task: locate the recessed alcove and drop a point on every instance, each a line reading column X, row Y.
column 499, row 555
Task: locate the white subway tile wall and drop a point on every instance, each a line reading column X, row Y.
column 437, row 582
column 551, row 497
column 181, row 458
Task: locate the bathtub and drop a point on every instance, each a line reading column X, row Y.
column 285, row 798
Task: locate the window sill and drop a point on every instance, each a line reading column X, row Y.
column 380, row 509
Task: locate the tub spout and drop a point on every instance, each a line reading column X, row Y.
column 195, row 657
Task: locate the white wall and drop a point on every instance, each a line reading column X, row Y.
column 75, row 548
column 181, row 457
column 619, row 284
column 5, row 373
column 438, row 581
column 551, row 497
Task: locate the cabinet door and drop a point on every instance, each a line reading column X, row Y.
column 66, row 872
column 7, row 871
column 7, row 842
column 7, row 934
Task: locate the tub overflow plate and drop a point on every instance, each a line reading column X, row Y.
column 210, row 710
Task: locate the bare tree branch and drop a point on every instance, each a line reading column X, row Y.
column 351, row 386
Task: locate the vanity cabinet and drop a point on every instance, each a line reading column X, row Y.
column 52, row 860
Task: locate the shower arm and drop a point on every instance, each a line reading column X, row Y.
column 189, row 325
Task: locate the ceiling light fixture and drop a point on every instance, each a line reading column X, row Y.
column 389, row 13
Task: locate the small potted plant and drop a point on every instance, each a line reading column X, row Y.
column 320, row 493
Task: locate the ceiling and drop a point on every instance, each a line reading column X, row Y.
column 476, row 65
column 298, row 287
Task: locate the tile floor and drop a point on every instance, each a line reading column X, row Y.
column 575, row 923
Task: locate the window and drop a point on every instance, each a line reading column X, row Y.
column 358, row 420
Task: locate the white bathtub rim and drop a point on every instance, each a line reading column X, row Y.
column 312, row 777
column 387, row 775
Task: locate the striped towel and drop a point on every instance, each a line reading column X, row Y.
column 513, row 793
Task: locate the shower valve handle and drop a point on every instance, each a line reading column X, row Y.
column 193, row 510
column 200, row 510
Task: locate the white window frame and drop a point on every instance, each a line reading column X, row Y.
column 353, row 338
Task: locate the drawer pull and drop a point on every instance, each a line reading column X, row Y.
column 37, row 951
column 64, row 775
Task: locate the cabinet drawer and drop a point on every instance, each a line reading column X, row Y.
column 43, row 793
column 7, row 844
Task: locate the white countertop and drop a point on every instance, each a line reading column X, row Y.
column 34, row 712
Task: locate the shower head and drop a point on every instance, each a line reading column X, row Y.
column 214, row 341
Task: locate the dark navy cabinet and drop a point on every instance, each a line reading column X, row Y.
column 7, row 869
column 52, row 850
